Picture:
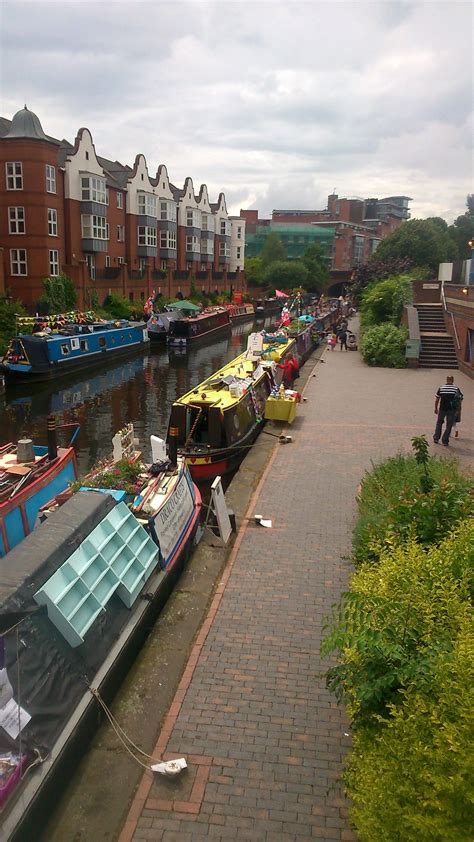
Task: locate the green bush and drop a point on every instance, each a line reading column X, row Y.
column 383, row 301
column 8, row 311
column 392, row 506
column 118, row 307
column 399, row 617
column 384, row 345
column 414, row 778
column 59, row 295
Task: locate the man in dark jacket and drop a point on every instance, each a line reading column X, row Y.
column 447, row 402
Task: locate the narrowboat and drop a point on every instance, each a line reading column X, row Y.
column 213, row 321
column 216, row 423
column 265, row 307
column 30, row 476
column 241, row 313
column 158, row 325
column 83, row 591
column 73, row 347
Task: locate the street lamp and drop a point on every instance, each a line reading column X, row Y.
column 471, row 270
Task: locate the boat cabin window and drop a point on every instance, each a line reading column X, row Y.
column 75, row 344
column 101, row 341
column 65, row 349
column 84, row 345
column 239, row 420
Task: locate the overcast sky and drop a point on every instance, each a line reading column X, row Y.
column 275, row 103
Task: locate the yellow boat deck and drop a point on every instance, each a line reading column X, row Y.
column 211, row 391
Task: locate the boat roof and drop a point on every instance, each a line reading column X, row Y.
column 215, row 389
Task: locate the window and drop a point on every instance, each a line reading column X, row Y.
column 16, row 221
column 207, row 222
column 358, row 249
column 14, row 171
column 168, row 211
column 53, row 262
column 90, row 260
column 120, row 200
column 108, row 261
column 168, row 239
column 94, row 227
column 120, row 233
column 193, row 244
column 147, row 204
column 52, row 222
column 84, row 345
column 373, row 245
column 239, row 250
column 120, row 261
column 164, row 265
column 65, row 349
column 224, row 227
column 224, row 250
column 102, row 342
column 193, row 218
column 18, row 262
column 50, row 179
column 142, row 296
column 147, row 236
column 239, row 233
column 93, row 189
column 143, row 264
column 207, row 246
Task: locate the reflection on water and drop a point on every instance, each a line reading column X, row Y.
column 140, row 390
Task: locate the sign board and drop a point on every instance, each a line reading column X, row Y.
column 172, row 519
column 254, row 346
column 124, row 444
column 430, row 286
column 220, row 510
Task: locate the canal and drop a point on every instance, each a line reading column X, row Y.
column 140, row 390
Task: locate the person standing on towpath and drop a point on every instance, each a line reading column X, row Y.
column 447, row 403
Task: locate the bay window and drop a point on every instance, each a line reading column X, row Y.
column 94, row 227
column 147, row 235
column 93, row 189
column 147, row 204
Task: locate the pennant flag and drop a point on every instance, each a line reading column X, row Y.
column 280, row 294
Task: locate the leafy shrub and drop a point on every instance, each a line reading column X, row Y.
column 399, row 617
column 118, row 307
column 8, row 311
column 413, row 779
column 384, row 301
column 384, row 345
column 59, row 295
column 392, row 506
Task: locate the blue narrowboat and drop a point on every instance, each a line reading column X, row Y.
column 73, row 347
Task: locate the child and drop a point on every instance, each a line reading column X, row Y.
column 332, row 341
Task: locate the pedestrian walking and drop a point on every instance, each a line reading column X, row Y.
column 343, row 337
column 447, row 404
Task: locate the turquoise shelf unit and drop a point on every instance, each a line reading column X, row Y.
column 118, row 556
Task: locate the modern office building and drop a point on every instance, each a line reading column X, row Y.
column 108, row 226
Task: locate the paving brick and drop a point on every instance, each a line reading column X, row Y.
column 252, row 711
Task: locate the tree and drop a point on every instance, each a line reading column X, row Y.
column 423, row 241
column 254, row 271
column 273, row 250
column 286, row 274
column 316, row 265
column 59, row 294
column 462, row 229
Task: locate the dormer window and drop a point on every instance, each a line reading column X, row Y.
column 93, row 189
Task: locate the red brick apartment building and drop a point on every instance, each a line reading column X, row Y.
column 110, row 227
column 359, row 226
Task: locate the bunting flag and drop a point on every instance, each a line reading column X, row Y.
column 280, row 294
column 73, row 317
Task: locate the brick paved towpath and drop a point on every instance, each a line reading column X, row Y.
column 263, row 738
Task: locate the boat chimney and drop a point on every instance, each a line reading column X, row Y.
column 52, row 439
column 24, row 451
column 173, row 445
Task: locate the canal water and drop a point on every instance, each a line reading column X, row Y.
column 140, row 390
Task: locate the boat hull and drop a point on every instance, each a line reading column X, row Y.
column 181, row 342
column 52, row 372
column 18, row 515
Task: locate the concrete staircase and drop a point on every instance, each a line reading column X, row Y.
column 437, row 346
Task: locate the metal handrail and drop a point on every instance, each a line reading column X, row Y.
column 443, row 297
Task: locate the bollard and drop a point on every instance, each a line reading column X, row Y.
column 173, row 445
column 52, row 440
